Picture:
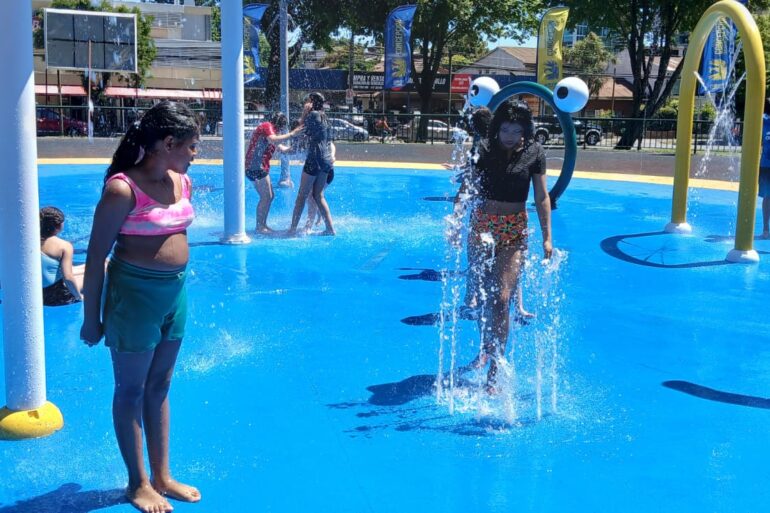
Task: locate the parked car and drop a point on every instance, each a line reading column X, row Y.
column 348, row 114
column 436, row 130
column 250, row 122
column 548, row 129
column 345, row 130
column 439, row 130
column 49, row 122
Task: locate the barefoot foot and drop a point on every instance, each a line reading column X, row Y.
column 328, row 232
column 525, row 314
column 264, row 230
column 176, row 490
column 146, row 499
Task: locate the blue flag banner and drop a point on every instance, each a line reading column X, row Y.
column 254, row 13
column 718, row 57
column 398, row 52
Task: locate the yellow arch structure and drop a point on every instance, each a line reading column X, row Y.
column 752, row 134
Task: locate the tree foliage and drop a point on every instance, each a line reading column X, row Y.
column 317, row 21
column 648, row 30
column 145, row 51
column 441, row 25
column 589, row 58
column 339, row 55
column 763, row 23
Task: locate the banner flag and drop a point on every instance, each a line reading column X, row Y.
column 549, row 42
column 254, row 13
column 717, row 57
column 398, row 52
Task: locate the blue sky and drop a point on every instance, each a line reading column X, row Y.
column 529, row 43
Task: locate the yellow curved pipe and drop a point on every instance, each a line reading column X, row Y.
column 752, row 133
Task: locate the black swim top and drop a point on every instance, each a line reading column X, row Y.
column 319, row 152
column 509, row 181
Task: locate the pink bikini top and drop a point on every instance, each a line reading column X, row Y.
column 148, row 217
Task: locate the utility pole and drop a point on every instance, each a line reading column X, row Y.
column 351, row 48
column 283, row 17
column 449, row 96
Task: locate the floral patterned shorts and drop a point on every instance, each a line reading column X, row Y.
column 506, row 230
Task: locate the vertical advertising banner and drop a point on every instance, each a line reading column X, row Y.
column 549, row 42
column 398, row 52
column 254, row 13
column 718, row 56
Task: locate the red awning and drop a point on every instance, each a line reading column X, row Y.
column 131, row 92
column 73, row 90
column 44, row 89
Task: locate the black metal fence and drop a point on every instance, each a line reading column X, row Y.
column 394, row 127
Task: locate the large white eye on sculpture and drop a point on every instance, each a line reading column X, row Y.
column 570, row 94
column 482, row 90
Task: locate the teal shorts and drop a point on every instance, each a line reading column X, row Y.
column 143, row 307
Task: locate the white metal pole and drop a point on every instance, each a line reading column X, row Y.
column 23, row 339
column 232, row 122
column 283, row 22
column 19, row 219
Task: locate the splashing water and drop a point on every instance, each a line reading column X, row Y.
column 548, row 300
column 528, row 376
column 451, row 279
column 721, row 131
column 460, row 387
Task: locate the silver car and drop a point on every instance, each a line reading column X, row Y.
column 347, row 131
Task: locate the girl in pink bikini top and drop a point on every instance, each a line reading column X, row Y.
column 149, row 217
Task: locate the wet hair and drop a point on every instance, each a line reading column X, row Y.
column 278, row 120
column 480, row 121
column 51, row 219
column 316, row 100
column 513, row 111
column 163, row 119
column 767, row 106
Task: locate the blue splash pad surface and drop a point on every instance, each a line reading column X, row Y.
column 271, row 409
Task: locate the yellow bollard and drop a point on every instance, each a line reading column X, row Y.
column 19, row 425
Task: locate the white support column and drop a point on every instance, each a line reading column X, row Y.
column 23, row 339
column 232, row 122
column 283, row 22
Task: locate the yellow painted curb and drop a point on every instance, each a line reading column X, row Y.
column 589, row 175
column 20, row 425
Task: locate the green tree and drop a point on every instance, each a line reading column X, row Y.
column 145, row 50
column 589, row 59
column 763, row 24
column 648, row 30
column 316, row 21
column 459, row 24
column 339, row 55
